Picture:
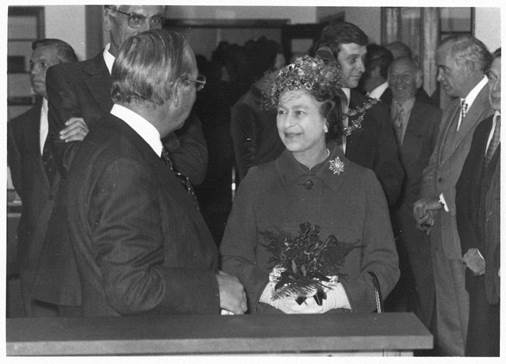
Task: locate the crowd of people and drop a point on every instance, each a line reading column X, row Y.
column 356, row 191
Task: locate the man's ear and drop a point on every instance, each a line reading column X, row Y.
column 178, row 93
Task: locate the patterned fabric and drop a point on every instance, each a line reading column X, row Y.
column 463, row 112
column 185, row 181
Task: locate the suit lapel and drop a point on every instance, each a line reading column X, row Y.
column 414, row 128
column 99, row 82
column 478, row 111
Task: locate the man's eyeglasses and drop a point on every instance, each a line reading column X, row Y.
column 138, row 20
column 199, row 82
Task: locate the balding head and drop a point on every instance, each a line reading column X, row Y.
column 404, row 78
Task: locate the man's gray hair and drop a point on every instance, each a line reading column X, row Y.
column 469, row 50
column 148, row 67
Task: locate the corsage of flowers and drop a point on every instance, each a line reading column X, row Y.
column 304, row 264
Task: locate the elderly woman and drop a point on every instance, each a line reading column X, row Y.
column 310, row 223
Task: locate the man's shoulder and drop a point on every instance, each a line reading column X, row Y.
column 77, row 69
column 28, row 119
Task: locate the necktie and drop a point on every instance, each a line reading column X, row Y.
column 494, row 142
column 48, row 161
column 463, row 112
column 398, row 123
column 185, row 181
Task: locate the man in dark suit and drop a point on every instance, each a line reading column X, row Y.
column 369, row 138
column 416, row 125
column 141, row 245
column 34, row 176
column 478, row 219
column 374, row 81
column 462, row 61
column 79, row 95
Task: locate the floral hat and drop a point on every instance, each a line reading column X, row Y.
column 314, row 75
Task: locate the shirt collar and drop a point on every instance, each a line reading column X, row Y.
column 141, row 126
column 347, row 92
column 108, row 57
column 471, row 96
column 378, row 91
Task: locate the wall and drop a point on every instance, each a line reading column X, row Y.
column 68, row 24
column 297, row 14
column 488, row 27
column 367, row 18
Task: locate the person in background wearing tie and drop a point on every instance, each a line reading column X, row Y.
column 368, row 138
column 478, row 221
column 140, row 243
column 416, row 124
column 33, row 174
column 462, row 61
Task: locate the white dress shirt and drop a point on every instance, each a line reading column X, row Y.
column 471, row 96
column 494, row 123
column 44, row 125
column 108, row 57
column 378, row 91
column 141, row 126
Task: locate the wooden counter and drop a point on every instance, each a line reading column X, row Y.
column 377, row 334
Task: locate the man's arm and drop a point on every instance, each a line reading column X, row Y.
column 63, row 107
column 14, row 159
column 188, row 149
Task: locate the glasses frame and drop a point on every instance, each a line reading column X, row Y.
column 200, row 82
column 144, row 18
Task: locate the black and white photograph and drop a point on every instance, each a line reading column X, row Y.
column 236, row 180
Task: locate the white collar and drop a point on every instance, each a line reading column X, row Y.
column 471, row 96
column 108, row 57
column 141, row 126
column 378, row 91
column 347, row 92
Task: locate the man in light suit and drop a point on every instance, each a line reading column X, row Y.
column 371, row 143
column 478, row 220
column 140, row 243
column 416, row 124
column 462, row 61
column 79, row 95
column 35, row 178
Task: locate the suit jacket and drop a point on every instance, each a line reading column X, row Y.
column 139, row 243
column 477, row 202
column 280, row 195
column 254, row 132
column 416, row 149
column 374, row 146
column 84, row 89
column 445, row 165
column 32, row 184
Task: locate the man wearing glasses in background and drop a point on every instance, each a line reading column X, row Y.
column 79, row 97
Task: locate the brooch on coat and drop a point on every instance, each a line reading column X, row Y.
column 336, row 166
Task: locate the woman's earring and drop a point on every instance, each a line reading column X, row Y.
column 325, row 128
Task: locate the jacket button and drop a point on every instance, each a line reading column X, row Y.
column 308, row 184
column 440, row 180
